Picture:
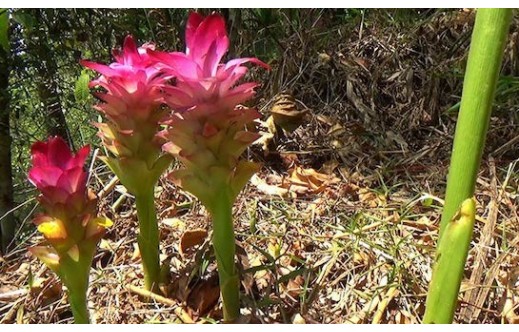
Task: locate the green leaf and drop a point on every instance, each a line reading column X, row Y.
column 427, row 201
column 4, row 29
column 81, row 90
column 25, row 19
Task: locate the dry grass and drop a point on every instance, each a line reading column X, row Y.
column 357, row 250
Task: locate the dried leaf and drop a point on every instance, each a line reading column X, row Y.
column 204, row 296
column 174, row 223
column 285, row 112
column 267, row 188
column 191, row 238
column 298, row 319
column 309, row 180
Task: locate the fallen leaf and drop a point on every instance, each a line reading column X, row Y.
column 285, row 112
column 204, row 296
column 298, row 319
column 266, row 188
column 294, row 286
column 309, row 179
column 136, row 252
column 174, row 223
column 191, row 238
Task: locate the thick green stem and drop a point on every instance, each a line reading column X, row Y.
column 484, row 62
column 75, row 276
column 78, row 305
column 148, row 238
column 449, row 266
column 224, row 248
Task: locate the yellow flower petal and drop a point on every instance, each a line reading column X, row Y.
column 104, row 222
column 53, row 230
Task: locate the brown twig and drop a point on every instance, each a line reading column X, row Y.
column 179, row 311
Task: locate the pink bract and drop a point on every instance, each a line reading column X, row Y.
column 56, row 172
column 131, row 84
column 200, row 77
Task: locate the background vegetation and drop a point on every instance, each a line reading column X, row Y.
column 340, row 224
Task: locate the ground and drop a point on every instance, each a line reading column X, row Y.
column 340, row 224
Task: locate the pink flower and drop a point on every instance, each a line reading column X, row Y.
column 56, row 172
column 132, row 103
column 131, row 83
column 201, row 80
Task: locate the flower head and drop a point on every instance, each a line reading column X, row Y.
column 208, row 132
column 69, row 218
column 131, row 98
column 131, row 93
column 201, row 78
column 57, row 173
column 131, row 101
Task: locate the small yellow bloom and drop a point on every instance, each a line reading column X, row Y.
column 53, row 229
column 97, row 226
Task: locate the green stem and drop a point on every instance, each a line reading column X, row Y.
column 148, row 238
column 78, row 305
column 453, row 248
column 224, row 248
column 484, row 62
column 75, row 276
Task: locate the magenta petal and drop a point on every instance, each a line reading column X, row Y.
column 130, row 54
column 212, row 29
column 53, row 152
column 211, row 61
column 56, row 172
column 239, row 62
column 102, row 69
column 193, row 22
column 178, row 97
column 44, row 176
column 58, row 152
column 179, row 63
column 79, row 159
column 54, row 195
column 72, row 180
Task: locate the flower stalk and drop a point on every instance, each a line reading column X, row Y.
column 148, row 239
column 78, row 285
column 225, row 248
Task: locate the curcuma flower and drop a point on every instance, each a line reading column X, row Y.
column 59, row 175
column 131, row 101
column 69, row 223
column 209, row 131
column 201, row 79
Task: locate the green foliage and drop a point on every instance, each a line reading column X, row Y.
column 4, row 29
column 26, row 19
column 81, row 90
